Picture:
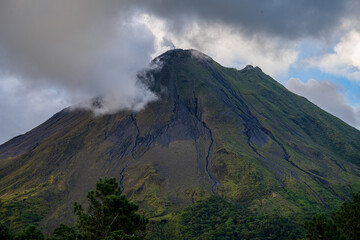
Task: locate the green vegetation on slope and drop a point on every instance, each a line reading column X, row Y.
column 214, row 218
column 343, row 225
column 108, row 211
column 238, row 135
column 109, row 216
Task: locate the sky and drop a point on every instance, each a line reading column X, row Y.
column 55, row 54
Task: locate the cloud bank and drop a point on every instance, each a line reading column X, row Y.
column 345, row 59
column 77, row 50
column 327, row 96
column 287, row 19
column 88, row 48
column 23, row 106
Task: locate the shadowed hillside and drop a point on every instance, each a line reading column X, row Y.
column 238, row 135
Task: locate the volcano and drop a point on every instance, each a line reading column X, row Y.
column 214, row 132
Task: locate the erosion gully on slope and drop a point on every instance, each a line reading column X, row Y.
column 252, row 125
column 133, row 118
column 213, row 181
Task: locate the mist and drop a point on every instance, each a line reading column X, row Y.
column 87, row 48
column 92, row 48
column 55, row 54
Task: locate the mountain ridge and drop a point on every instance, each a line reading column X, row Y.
column 235, row 134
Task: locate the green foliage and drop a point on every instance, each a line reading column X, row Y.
column 110, row 216
column 347, row 218
column 64, row 232
column 108, row 211
column 120, row 235
column 19, row 213
column 5, row 233
column 30, row 233
column 215, row 218
column 163, row 229
column 318, row 143
column 343, row 225
column 321, row 228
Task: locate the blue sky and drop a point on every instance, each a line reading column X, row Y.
column 333, row 86
column 54, row 54
column 351, row 88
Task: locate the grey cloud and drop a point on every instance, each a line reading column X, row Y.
column 83, row 46
column 61, row 41
column 90, row 47
column 167, row 43
column 23, row 106
column 54, row 39
column 328, row 96
column 284, row 18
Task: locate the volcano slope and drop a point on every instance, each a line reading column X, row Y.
column 215, row 131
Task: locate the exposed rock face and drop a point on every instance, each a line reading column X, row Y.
column 214, row 131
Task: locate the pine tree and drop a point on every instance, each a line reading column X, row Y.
column 109, row 211
column 5, row 233
column 320, row 228
column 343, row 225
column 347, row 218
column 30, row 233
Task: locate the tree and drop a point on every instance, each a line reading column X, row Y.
column 347, row 218
column 30, row 233
column 344, row 223
column 120, row 235
column 109, row 212
column 64, row 232
column 5, row 233
column 320, row 228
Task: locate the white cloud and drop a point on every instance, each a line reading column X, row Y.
column 227, row 45
column 96, row 48
column 23, row 106
column 344, row 61
column 88, row 48
column 89, row 71
column 327, row 96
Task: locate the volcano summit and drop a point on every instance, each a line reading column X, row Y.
column 237, row 135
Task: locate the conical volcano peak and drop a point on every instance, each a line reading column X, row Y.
column 181, row 54
column 238, row 135
column 185, row 72
column 250, row 68
column 177, row 54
